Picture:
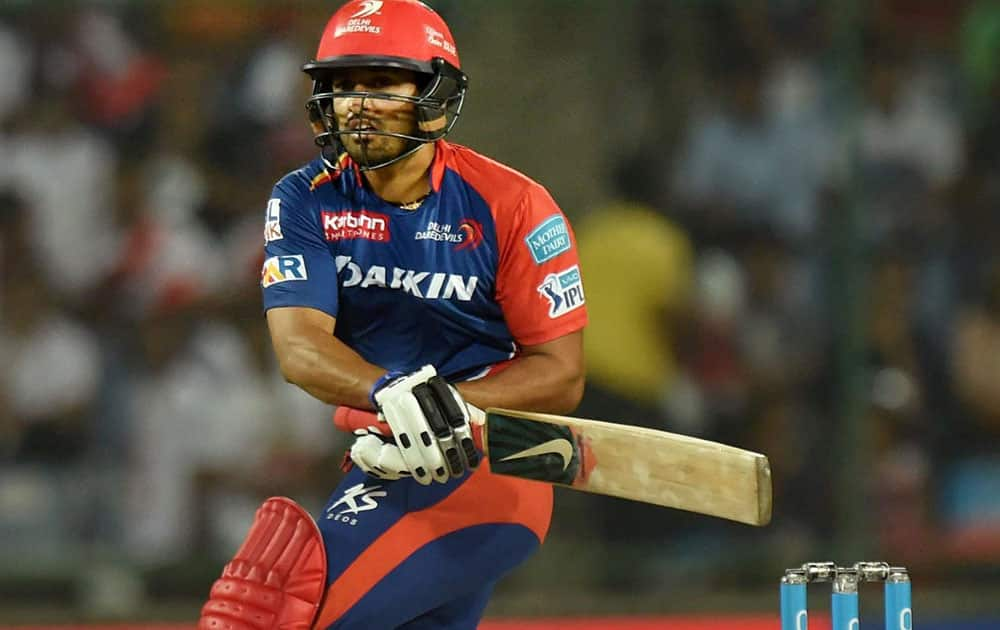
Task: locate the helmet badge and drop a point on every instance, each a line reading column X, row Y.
column 368, row 9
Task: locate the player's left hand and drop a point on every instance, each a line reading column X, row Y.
column 430, row 422
column 378, row 455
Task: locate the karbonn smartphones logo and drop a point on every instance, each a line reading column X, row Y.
column 371, row 226
column 368, row 9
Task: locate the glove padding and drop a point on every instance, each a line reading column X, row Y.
column 378, row 455
column 430, row 422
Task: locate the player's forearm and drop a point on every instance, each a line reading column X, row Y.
column 539, row 382
column 327, row 369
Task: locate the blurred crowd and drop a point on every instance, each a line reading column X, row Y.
column 818, row 248
column 141, row 405
column 804, row 246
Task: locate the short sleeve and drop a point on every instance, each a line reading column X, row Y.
column 299, row 268
column 539, row 284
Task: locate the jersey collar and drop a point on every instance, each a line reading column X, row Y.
column 442, row 151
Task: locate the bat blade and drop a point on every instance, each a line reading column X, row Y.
column 636, row 463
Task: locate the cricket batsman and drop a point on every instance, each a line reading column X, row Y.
column 410, row 281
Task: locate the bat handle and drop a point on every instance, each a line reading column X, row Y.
column 476, row 415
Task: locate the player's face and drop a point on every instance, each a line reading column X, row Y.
column 367, row 115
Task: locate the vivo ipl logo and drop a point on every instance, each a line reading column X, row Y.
column 563, row 290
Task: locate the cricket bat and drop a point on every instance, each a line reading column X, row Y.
column 636, row 463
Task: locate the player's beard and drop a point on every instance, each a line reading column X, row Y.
column 373, row 149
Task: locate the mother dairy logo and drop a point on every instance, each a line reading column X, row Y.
column 549, row 239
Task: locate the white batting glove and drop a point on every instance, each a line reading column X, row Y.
column 430, row 422
column 378, row 455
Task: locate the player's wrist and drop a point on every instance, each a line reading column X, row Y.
column 382, row 382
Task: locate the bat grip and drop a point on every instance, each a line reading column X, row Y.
column 348, row 419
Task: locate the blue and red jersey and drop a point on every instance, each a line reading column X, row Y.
column 487, row 263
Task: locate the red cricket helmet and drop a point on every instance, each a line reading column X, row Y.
column 403, row 34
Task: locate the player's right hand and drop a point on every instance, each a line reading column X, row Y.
column 430, row 422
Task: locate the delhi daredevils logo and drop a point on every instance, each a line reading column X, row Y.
column 472, row 234
column 368, row 9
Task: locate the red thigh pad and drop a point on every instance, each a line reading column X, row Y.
column 277, row 578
